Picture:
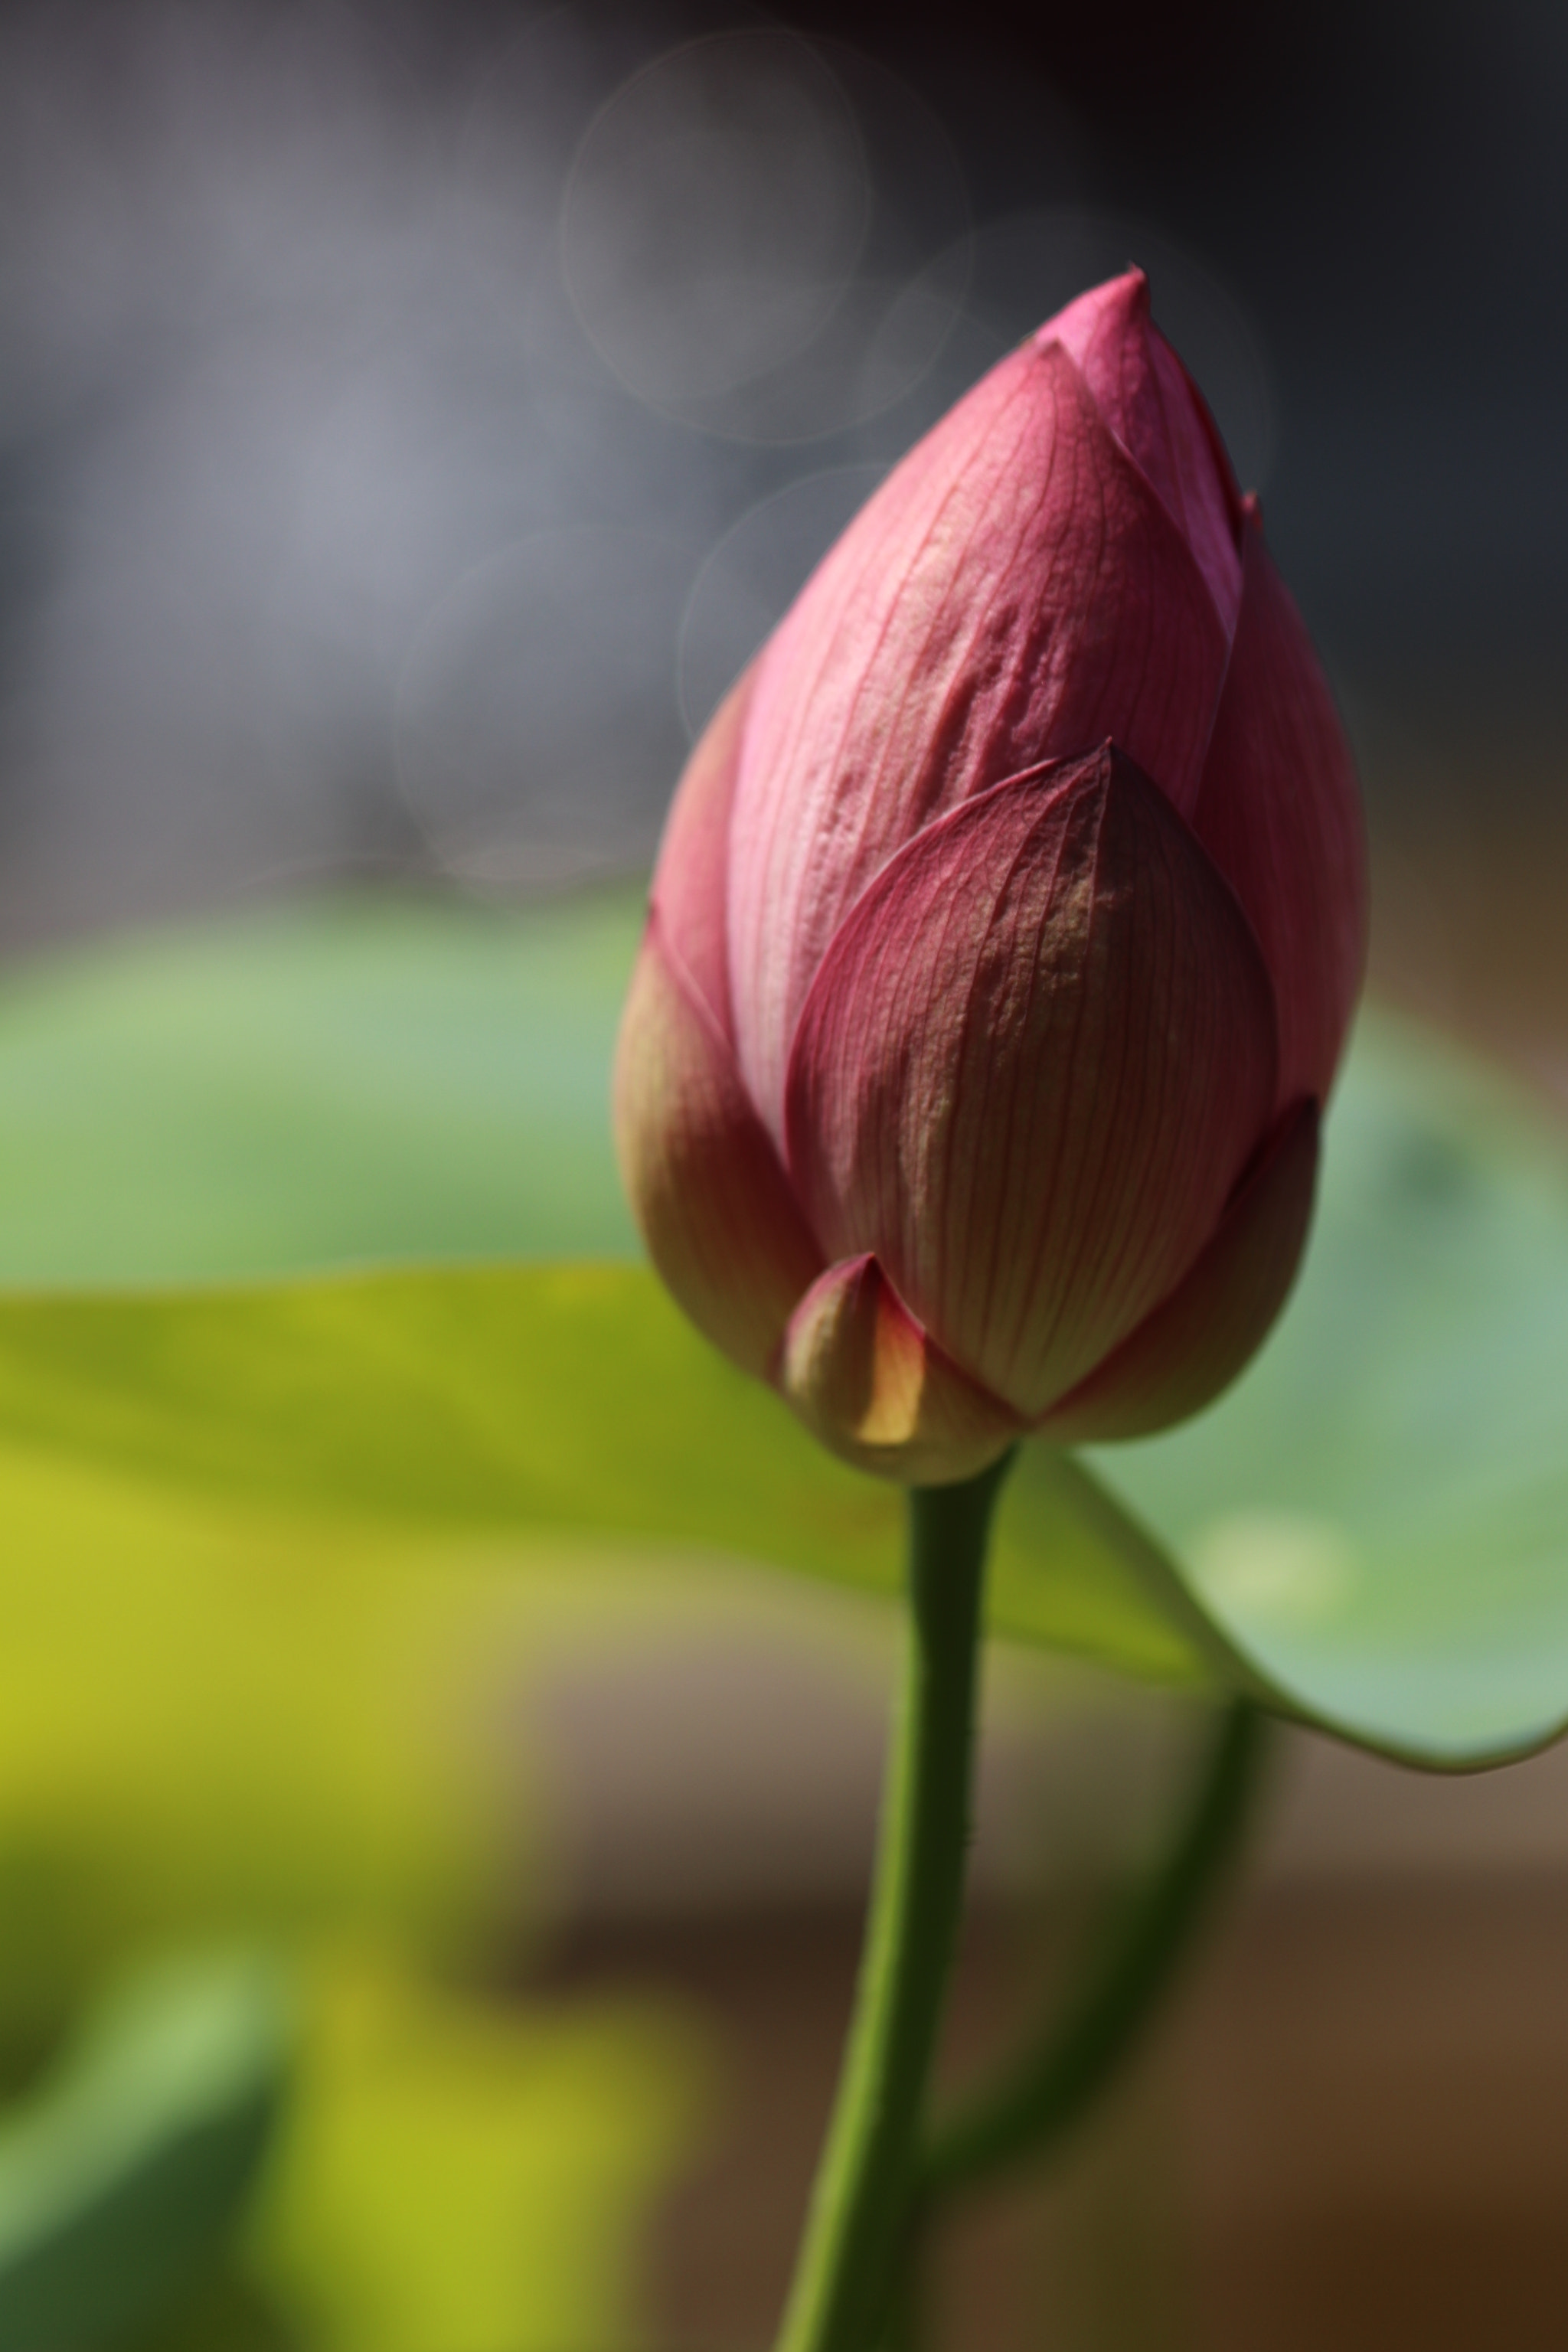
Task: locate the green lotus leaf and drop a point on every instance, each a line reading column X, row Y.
column 1370, row 1531
column 561, row 1400
column 1375, row 1517
column 324, row 1085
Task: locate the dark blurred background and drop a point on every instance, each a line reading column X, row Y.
column 411, row 417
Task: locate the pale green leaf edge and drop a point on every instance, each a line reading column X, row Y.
column 403, row 1398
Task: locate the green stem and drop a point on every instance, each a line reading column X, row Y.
column 903, row 2327
column 1038, row 2102
column 858, row 2204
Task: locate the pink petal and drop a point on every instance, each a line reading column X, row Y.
column 870, row 1383
column 1197, row 1340
column 692, row 873
column 1034, row 1062
column 1014, row 592
column 1156, row 412
column 1280, row 815
column 705, row 1184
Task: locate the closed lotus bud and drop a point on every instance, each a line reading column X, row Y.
column 1004, row 937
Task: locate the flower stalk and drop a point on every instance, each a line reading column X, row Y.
column 878, row 2184
column 855, row 2222
column 1043, row 2094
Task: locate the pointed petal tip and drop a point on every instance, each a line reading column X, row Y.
column 1161, row 418
column 1124, row 298
column 868, row 1382
column 1056, row 962
column 1017, row 589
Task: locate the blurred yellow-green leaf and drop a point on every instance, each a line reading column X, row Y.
column 211, row 1721
column 457, row 2173
column 526, row 1401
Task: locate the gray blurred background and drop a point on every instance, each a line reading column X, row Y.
column 410, row 417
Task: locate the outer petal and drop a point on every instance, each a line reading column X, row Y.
column 691, row 876
column 1014, row 592
column 1033, row 1064
column 870, row 1383
column 1280, row 815
column 1156, row 412
column 705, row 1183
column 1198, row 1339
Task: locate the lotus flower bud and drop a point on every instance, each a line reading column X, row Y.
column 1004, row 937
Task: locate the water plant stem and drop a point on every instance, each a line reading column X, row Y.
column 1042, row 2095
column 855, row 2223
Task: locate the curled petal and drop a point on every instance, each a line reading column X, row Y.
column 1157, row 413
column 691, row 876
column 1032, row 1067
column 1197, row 1340
column 1280, row 815
column 870, row 1384
column 1014, row 592
column 705, row 1184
